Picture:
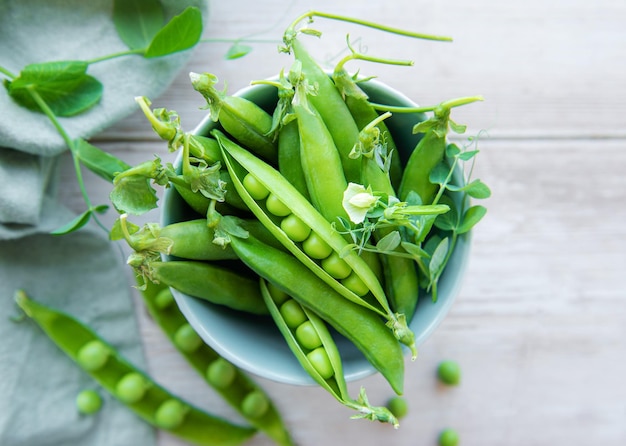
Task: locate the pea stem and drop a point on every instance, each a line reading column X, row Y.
column 68, row 141
column 354, row 55
column 447, row 104
column 115, row 55
column 311, row 14
column 7, row 72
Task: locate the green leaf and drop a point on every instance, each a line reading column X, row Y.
column 438, row 259
column 133, row 194
column 471, row 217
column 452, row 150
column 137, row 21
column 477, row 189
column 457, row 128
column 79, row 221
column 179, row 34
column 64, row 86
column 439, row 174
column 415, row 250
column 237, row 50
column 98, row 161
column 389, row 242
column 468, row 155
column 450, row 220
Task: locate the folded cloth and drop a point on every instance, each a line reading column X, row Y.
column 81, row 273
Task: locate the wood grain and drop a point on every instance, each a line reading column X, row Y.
column 539, row 327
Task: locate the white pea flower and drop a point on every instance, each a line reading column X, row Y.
column 357, row 201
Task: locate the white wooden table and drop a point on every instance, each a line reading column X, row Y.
column 539, row 327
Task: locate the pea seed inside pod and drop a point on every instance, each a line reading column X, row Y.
column 292, row 313
column 307, row 336
column 276, row 207
column 170, row 414
column 295, row 228
column 319, row 359
column 131, row 388
column 355, row 284
column 278, row 296
column 315, row 247
column 254, row 187
column 221, row 373
column 187, row 339
column 93, row 355
column 255, row 404
column 336, row 266
column 164, row 299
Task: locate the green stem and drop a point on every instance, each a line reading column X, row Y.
column 7, row 73
column 115, row 55
column 309, row 15
column 359, row 56
column 447, row 104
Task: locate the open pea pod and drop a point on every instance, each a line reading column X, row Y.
column 151, row 402
column 364, row 328
column 235, row 158
column 315, row 349
column 230, row 382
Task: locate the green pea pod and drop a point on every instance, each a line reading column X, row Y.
column 321, row 164
column 320, row 357
column 364, row 328
column 289, row 159
column 427, row 155
column 210, row 282
column 332, row 109
column 276, row 184
column 108, row 367
column 233, row 385
column 243, row 119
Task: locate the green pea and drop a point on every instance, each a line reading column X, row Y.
column 398, row 406
column 164, row 299
column 449, row 372
column 277, row 207
column 292, row 313
column 131, row 388
column 221, row 373
column 187, row 339
column 88, row 402
column 254, row 187
column 295, row 228
column 93, row 355
column 355, row 284
column 448, row 437
column 307, row 336
column 315, row 247
column 170, row 414
column 255, row 404
column 278, row 296
column 321, row 362
column 336, row 266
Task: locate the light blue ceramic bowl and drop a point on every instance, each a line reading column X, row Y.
column 254, row 343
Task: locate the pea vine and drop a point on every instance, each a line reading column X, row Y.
column 63, row 89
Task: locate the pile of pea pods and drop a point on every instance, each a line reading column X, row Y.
column 283, row 200
column 274, row 188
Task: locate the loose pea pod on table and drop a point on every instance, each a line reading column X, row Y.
column 361, row 280
column 315, row 349
column 364, row 328
column 128, row 384
column 230, row 382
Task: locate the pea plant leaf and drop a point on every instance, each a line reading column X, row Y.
column 97, row 160
column 64, row 86
column 80, row 220
column 179, row 34
column 389, row 242
column 471, row 217
column 475, row 189
column 134, row 195
column 137, row 21
column 237, row 50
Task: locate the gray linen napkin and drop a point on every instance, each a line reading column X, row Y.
column 81, row 273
